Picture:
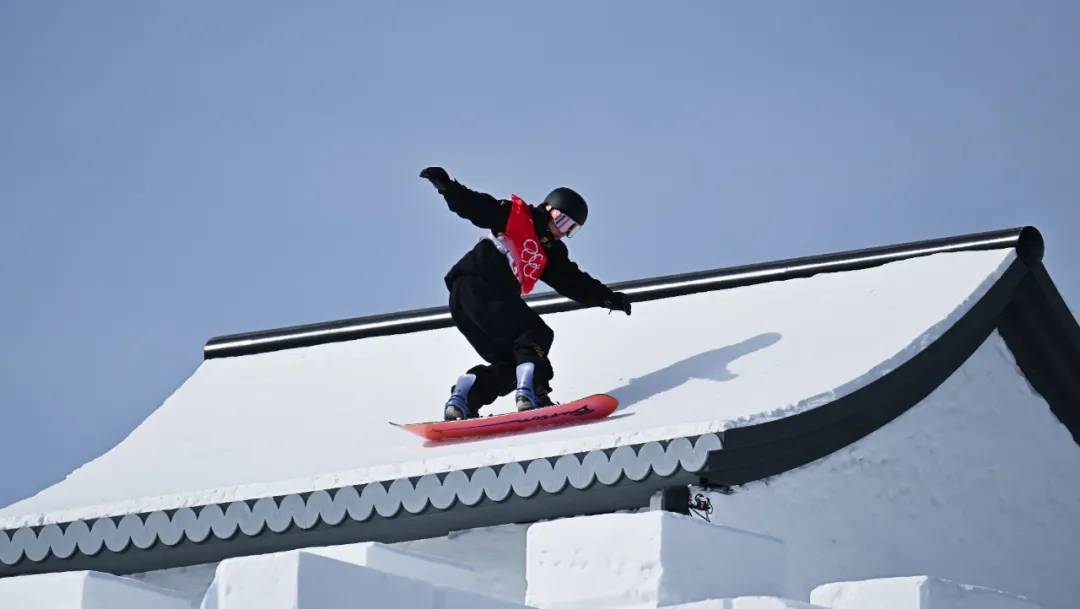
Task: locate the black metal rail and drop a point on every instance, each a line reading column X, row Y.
column 1027, row 241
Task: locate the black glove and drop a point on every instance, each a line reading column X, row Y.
column 617, row 302
column 438, row 178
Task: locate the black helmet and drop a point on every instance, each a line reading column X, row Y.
column 570, row 203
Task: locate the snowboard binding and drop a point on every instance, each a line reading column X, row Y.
column 457, row 407
column 526, row 398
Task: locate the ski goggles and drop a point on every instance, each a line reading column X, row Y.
column 566, row 225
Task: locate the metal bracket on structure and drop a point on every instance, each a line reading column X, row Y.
column 716, row 487
column 675, row 499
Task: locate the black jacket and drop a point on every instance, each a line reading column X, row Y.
column 485, row 260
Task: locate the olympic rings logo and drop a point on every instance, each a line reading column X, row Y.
column 533, row 258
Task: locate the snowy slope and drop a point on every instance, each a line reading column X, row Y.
column 316, row 417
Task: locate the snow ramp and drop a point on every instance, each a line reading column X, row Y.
column 280, row 439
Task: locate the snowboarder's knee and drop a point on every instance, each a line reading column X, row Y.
column 540, row 339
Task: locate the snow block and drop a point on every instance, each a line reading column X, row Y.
column 85, row 590
column 648, row 559
column 496, row 555
column 748, row 602
column 914, row 593
column 306, row 580
column 190, row 582
column 396, row 561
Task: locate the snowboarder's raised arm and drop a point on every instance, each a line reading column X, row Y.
column 483, row 210
column 569, row 280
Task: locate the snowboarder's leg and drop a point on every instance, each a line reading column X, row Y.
column 492, row 380
column 472, row 312
column 514, row 322
column 477, row 388
column 506, row 333
column 533, row 370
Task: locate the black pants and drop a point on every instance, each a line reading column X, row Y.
column 505, row 332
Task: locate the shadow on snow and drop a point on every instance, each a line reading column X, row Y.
column 710, row 365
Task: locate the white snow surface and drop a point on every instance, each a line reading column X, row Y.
column 650, row 559
column 748, row 602
column 399, row 561
column 920, row 592
column 85, row 590
column 307, row 580
column 976, row 484
column 496, row 555
column 190, row 582
column 314, row 418
column 495, row 561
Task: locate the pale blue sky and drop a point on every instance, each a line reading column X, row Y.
column 175, row 171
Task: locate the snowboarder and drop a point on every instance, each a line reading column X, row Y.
column 523, row 245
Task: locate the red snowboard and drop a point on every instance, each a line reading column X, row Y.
column 593, row 407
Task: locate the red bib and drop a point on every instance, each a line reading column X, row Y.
column 522, row 246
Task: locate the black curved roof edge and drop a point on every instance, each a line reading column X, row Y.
column 760, row 451
column 1045, row 340
column 1023, row 305
column 1027, row 241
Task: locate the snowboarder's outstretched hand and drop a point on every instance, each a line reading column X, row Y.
column 617, row 302
column 438, row 178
